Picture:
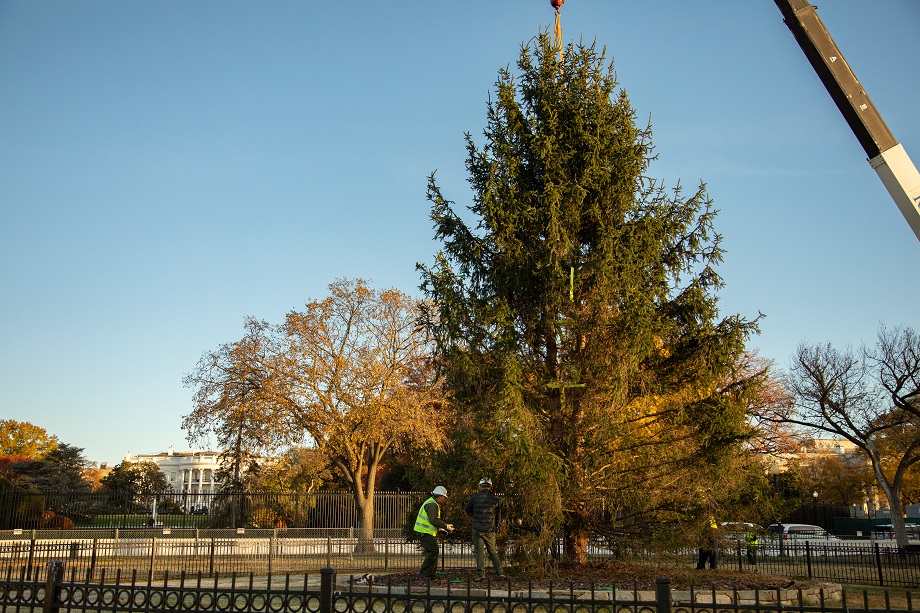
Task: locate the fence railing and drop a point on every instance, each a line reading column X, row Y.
column 307, row 551
column 221, row 552
column 862, row 562
column 212, row 510
column 53, row 592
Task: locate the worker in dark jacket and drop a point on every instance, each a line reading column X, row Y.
column 427, row 524
column 483, row 508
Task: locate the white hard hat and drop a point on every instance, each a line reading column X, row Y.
column 485, row 481
column 439, row 491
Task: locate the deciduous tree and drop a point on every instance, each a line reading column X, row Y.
column 575, row 308
column 60, row 470
column 136, row 478
column 356, row 376
column 21, row 438
column 870, row 397
column 298, row 470
column 235, row 400
column 838, row 480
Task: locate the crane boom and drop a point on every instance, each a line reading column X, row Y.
column 886, row 155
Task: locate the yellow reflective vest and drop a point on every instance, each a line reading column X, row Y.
column 422, row 523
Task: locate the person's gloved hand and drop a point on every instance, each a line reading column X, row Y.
column 449, row 527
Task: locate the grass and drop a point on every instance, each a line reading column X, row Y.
column 881, row 597
column 123, row 521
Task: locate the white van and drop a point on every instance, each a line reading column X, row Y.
column 800, row 533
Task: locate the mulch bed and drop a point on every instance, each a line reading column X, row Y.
column 621, row 574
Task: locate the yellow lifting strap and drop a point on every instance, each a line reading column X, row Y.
column 557, row 33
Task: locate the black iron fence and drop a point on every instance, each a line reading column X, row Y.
column 168, row 551
column 53, row 591
column 298, row 533
column 158, row 552
column 217, row 510
column 859, row 561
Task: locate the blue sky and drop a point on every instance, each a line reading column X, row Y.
column 168, row 168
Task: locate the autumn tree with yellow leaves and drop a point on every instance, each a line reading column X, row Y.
column 236, row 402
column 24, row 439
column 357, row 379
column 350, row 375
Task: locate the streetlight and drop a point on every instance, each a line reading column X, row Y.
column 814, row 496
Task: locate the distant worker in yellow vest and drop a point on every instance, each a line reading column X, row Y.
column 427, row 524
column 752, row 543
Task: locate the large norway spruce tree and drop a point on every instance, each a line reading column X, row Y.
column 575, row 310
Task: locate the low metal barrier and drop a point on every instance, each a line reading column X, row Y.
column 859, row 562
column 253, row 551
column 54, row 592
column 307, row 551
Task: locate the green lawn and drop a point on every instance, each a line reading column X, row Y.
column 138, row 520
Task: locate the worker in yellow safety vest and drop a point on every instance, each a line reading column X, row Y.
column 427, row 524
column 752, row 542
column 709, row 545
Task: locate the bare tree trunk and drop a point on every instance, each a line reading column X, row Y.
column 893, row 494
column 897, row 516
column 366, row 529
column 364, row 500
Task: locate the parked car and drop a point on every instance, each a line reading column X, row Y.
column 799, row 533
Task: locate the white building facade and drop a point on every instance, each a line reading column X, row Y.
column 188, row 472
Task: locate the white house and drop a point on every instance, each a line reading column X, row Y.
column 188, row 472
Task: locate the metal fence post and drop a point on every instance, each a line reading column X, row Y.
column 92, row 560
column 663, row 595
column 808, row 558
column 271, row 550
column 153, row 553
column 53, row 587
column 878, row 564
column 327, row 578
column 31, row 556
